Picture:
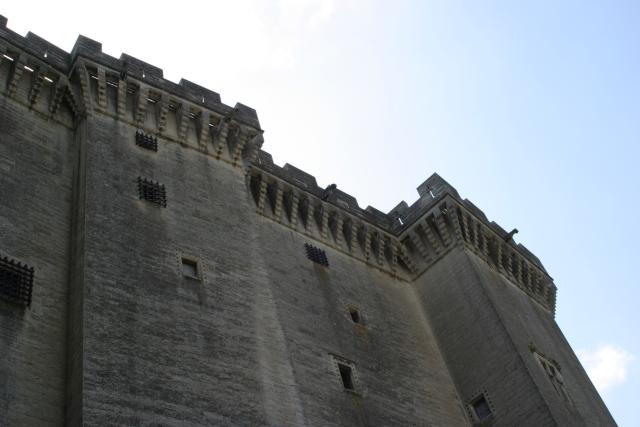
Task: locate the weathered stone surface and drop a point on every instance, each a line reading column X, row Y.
column 449, row 309
column 36, row 169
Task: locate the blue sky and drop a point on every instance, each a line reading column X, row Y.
column 530, row 109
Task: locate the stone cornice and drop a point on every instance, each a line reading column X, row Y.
column 439, row 223
column 87, row 81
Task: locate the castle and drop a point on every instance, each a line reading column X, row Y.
column 157, row 268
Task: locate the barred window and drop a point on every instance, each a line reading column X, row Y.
column 152, row 191
column 16, row 282
column 316, row 255
column 146, row 141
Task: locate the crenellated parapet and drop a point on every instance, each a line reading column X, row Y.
column 292, row 198
column 404, row 243
column 35, row 73
column 67, row 86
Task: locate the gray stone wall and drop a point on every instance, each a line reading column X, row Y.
column 117, row 334
column 251, row 343
column 402, row 377
column 36, row 171
column 488, row 330
column 531, row 329
column 160, row 347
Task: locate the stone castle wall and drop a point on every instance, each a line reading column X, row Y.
column 118, row 333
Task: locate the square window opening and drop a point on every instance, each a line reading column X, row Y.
column 189, row 268
column 346, row 374
column 481, row 408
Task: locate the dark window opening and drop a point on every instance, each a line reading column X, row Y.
column 152, row 192
column 316, row 255
column 355, row 315
column 189, row 268
column 346, row 374
column 481, row 408
column 16, row 282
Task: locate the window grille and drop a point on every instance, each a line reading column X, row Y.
column 16, row 282
column 152, row 191
column 316, row 255
column 146, row 141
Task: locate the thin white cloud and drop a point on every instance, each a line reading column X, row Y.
column 607, row 366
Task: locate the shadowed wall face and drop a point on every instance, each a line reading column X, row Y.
column 248, row 320
column 500, row 344
column 36, row 169
column 180, row 277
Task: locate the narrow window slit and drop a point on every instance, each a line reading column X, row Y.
column 355, row 315
column 346, row 375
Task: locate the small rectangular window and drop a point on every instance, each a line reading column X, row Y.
column 16, row 282
column 190, row 268
column 481, row 408
column 355, row 315
column 152, row 191
column 346, row 374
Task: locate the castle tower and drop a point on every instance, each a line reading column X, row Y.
column 157, row 268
